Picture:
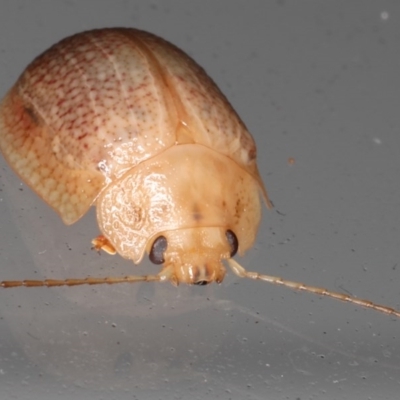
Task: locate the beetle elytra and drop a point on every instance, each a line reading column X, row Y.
column 124, row 120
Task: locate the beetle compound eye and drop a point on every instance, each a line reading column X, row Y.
column 157, row 250
column 233, row 242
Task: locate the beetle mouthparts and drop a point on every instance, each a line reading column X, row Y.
column 201, row 283
column 200, row 273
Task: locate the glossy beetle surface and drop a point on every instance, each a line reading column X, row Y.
column 123, row 120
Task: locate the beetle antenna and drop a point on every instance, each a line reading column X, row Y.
column 83, row 281
column 243, row 273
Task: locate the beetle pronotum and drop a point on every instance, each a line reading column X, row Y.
column 123, row 120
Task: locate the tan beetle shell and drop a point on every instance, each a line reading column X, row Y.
column 124, row 120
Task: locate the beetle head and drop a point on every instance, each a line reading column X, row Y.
column 194, row 255
column 182, row 207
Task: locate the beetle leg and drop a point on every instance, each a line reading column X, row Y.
column 240, row 271
column 102, row 243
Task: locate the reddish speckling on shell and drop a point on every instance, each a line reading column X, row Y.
column 124, row 120
column 99, row 103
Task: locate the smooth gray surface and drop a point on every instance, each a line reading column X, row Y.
column 313, row 80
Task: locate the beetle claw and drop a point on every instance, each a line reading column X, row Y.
column 102, row 243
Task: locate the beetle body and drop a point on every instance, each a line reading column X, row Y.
column 123, row 120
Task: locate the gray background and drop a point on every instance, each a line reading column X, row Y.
column 313, row 80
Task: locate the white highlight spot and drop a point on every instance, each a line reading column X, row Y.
column 384, row 15
column 377, row 140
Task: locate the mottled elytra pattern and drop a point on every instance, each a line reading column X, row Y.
column 99, row 103
column 124, row 120
column 25, row 143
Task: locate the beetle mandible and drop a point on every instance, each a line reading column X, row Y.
column 124, row 120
